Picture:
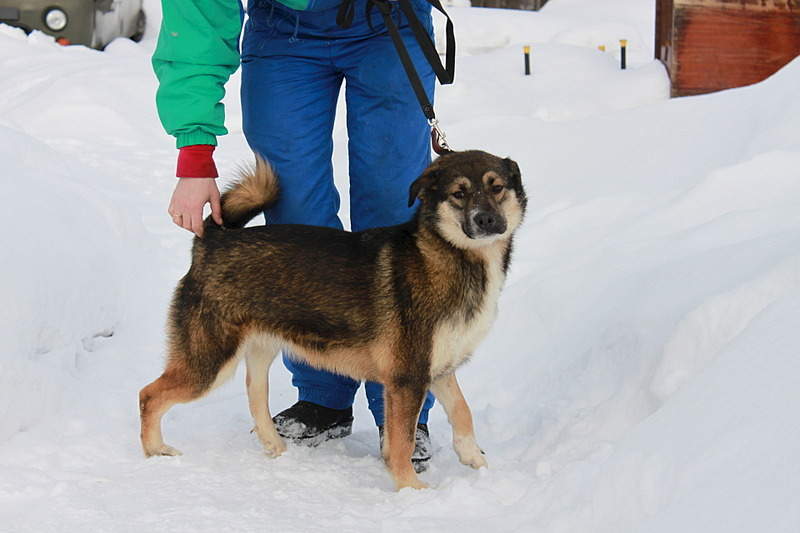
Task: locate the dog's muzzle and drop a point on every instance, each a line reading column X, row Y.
column 485, row 224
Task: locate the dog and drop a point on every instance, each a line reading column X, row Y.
column 404, row 306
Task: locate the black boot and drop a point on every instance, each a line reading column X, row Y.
column 423, row 451
column 311, row 424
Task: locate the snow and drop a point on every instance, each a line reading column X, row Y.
column 641, row 376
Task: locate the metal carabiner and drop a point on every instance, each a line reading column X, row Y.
column 438, row 138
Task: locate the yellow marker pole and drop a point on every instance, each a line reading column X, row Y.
column 602, row 48
column 527, row 51
column 623, row 47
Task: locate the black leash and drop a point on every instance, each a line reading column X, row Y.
column 444, row 73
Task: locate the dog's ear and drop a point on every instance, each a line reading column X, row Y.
column 512, row 168
column 515, row 177
column 421, row 183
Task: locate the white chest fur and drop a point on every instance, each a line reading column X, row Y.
column 456, row 338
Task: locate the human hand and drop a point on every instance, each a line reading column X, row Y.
column 189, row 198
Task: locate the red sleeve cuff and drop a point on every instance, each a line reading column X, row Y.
column 196, row 161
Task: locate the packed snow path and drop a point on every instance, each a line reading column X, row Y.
column 642, row 375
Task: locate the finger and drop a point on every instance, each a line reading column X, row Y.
column 186, row 221
column 197, row 224
column 173, row 210
column 176, row 219
column 216, row 208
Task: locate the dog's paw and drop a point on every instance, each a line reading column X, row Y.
column 162, row 449
column 474, row 460
column 416, row 484
column 469, row 453
column 274, row 447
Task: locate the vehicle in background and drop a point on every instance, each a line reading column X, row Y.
column 92, row 23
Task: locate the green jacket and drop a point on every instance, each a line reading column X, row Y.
column 197, row 51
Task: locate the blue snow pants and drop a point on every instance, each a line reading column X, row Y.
column 293, row 65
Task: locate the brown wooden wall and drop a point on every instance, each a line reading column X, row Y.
column 709, row 45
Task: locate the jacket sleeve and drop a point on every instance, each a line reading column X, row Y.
column 197, row 51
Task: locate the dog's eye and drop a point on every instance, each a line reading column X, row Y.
column 497, row 189
column 458, row 195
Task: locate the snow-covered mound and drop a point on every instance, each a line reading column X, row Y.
column 641, row 375
column 65, row 275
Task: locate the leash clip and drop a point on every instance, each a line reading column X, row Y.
column 438, row 138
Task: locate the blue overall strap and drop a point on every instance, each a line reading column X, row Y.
column 445, row 74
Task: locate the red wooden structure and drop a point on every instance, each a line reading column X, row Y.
column 709, row 45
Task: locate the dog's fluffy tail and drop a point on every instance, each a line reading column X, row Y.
column 256, row 189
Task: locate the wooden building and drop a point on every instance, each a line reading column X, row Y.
column 709, row 45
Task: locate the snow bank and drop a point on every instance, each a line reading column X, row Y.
column 661, row 245
column 65, row 276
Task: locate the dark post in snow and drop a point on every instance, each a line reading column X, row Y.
column 623, row 47
column 527, row 51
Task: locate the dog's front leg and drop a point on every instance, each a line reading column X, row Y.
column 449, row 394
column 403, row 400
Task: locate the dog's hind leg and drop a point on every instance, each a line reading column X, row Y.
column 259, row 354
column 198, row 361
column 449, row 394
column 402, row 406
column 155, row 400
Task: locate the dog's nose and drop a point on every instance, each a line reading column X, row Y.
column 485, row 220
column 489, row 222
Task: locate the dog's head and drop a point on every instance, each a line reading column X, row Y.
column 472, row 198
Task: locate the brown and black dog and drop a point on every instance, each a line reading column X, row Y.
column 403, row 306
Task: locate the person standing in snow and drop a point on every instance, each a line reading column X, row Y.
column 294, row 57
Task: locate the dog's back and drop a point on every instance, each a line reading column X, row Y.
column 317, row 287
